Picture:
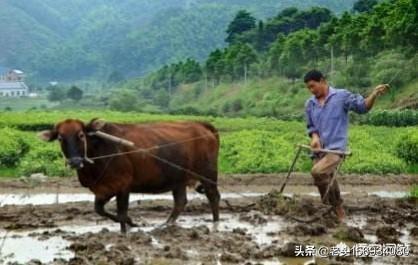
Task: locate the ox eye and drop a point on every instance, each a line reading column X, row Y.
column 81, row 135
column 59, row 137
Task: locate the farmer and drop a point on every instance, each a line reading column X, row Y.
column 327, row 124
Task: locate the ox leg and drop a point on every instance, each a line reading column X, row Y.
column 209, row 169
column 99, row 208
column 122, row 202
column 212, row 192
column 180, row 201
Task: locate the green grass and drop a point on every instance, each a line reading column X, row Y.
column 37, row 120
column 8, row 172
column 400, row 96
column 273, row 96
column 24, row 103
column 270, row 96
column 414, row 191
column 412, row 169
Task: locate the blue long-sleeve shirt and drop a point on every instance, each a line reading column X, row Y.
column 330, row 121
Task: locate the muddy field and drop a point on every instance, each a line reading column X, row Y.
column 53, row 222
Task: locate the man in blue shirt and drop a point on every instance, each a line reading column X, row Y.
column 327, row 124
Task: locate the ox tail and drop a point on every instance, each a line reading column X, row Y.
column 211, row 128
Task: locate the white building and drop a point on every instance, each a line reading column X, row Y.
column 13, row 89
column 12, row 84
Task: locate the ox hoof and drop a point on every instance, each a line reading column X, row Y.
column 132, row 224
column 167, row 224
column 215, row 226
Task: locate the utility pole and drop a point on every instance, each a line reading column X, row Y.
column 245, row 74
column 206, row 81
column 332, row 63
column 169, row 86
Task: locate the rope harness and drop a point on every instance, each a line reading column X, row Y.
column 200, row 177
column 147, row 151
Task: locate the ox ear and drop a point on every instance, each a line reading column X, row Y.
column 48, row 135
column 95, row 124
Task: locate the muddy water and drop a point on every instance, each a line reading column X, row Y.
column 22, row 247
column 46, row 245
column 62, row 228
column 57, row 198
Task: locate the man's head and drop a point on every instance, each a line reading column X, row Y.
column 316, row 83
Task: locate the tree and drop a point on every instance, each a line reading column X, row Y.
column 245, row 56
column 286, row 22
column 191, row 70
column 373, row 36
column 115, row 77
column 242, row 22
column 125, row 100
column 274, row 54
column 162, row 99
column 215, row 65
column 75, row 93
column 401, row 23
column 56, row 94
column 296, row 54
column 362, row 6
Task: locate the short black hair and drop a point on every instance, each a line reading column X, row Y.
column 314, row 75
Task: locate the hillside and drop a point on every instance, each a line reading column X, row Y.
column 259, row 72
column 69, row 40
column 274, row 96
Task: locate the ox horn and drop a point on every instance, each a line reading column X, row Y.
column 113, row 138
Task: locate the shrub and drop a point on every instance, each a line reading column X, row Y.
column 407, row 147
column 248, row 145
column 125, row 101
column 12, row 148
column 370, row 154
column 393, row 118
column 256, row 151
column 46, row 159
column 236, row 105
column 414, row 191
column 387, row 68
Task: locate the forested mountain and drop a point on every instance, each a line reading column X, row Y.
column 78, row 39
column 259, row 71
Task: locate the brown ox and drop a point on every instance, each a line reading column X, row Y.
column 141, row 172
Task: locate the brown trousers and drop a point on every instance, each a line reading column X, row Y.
column 323, row 170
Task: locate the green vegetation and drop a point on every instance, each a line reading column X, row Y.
column 259, row 72
column 24, row 103
column 407, row 147
column 277, row 97
column 13, row 147
column 364, row 5
column 237, row 65
column 392, row 118
column 248, row 145
column 42, row 158
column 414, row 192
column 59, row 94
column 66, row 40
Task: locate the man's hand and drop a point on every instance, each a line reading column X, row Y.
column 381, row 89
column 377, row 91
column 315, row 142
